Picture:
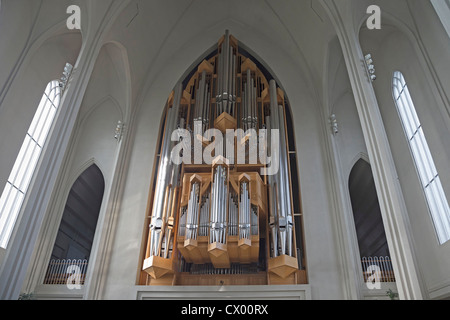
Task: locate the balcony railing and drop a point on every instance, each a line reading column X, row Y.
column 381, row 265
column 60, row 272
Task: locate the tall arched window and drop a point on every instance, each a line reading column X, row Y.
column 429, row 177
column 26, row 162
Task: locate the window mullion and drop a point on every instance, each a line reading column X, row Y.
column 19, row 165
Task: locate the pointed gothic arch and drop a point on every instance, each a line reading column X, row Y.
column 77, row 228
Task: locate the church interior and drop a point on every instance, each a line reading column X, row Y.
column 224, row 149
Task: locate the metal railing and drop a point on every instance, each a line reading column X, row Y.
column 61, row 272
column 381, row 265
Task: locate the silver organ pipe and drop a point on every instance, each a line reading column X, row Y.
column 226, row 97
column 244, row 212
column 204, row 216
column 169, row 218
column 193, row 213
column 233, row 215
column 219, row 205
column 254, row 222
column 226, row 71
column 202, row 105
column 164, row 176
column 272, row 179
column 281, row 215
column 182, row 222
column 249, row 103
column 286, row 191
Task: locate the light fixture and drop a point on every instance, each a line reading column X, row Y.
column 334, row 124
column 370, row 68
column 68, row 68
column 119, row 131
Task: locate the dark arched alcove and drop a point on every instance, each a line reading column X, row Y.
column 366, row 212
column 76, row 232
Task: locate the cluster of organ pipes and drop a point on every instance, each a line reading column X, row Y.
column 218, row 206
column 202, row 105
column 281, row 223
column 242, row 220
column 233, row 209
column 249, row 106
column 235, row 224
column 244, row 212
column 193, row 213
column 165, row 197
column 204, row 217
column 226, row 82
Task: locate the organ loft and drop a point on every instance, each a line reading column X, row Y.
column 225, row 222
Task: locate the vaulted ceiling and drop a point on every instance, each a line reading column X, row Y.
column 154, row 32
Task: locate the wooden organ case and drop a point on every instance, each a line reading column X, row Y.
column 223, row 221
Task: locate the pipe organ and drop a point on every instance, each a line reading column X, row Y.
column 223, row 221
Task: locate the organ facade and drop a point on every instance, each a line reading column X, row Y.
column 229, row 220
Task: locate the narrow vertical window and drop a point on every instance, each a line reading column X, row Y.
column 26, row 162
column 429, row 177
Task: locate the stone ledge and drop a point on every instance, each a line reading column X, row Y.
column 283, row 292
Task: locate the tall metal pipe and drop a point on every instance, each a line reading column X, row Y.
column 219, row 200
column 233, row 216
column 248, row 95
column 219, row 83
column 255, row 108
column 226, row 71
column 244, row 212
column 254, row 222
column 213, row 206
column 201, row 95
column 233, row 87
column 285, row 173
column 284, row 224
column 221, row 207
column 226, row 78
column 225, row 214
column 164, row 174
column 219, row 203
column 193, row 213
column 206, row 108
column 273, row 216
column 279, row 182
